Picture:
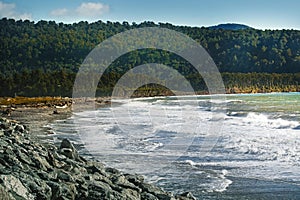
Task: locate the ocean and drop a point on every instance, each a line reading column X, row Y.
column 236, row 146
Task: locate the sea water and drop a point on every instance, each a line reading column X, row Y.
column 240, row 146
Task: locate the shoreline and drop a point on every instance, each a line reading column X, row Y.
column 30, row 170
column 36, row 117
column 24, row 125
column 37, row 114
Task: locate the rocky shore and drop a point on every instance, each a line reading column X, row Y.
column 30, row 170
column 38, row 112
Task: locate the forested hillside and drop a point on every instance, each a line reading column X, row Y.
column 42, row 58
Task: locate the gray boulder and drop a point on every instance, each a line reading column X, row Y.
column 66, row 148
column 14, row 186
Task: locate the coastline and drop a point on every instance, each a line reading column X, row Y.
column 30, row 169
column 36, row 117
column 37, row 114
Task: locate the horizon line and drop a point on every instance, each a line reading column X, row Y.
column 156, row 23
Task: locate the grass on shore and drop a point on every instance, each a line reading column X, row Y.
column 32, row 100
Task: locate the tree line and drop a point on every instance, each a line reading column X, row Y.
column 42, row 58
column 60, row 83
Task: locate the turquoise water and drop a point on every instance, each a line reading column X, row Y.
column 244, row 146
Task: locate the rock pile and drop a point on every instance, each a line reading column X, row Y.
column 29, row 170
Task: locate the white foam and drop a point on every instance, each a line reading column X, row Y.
column 265, row 121
column 190, row 162
column 256, row 145
column 219, row 181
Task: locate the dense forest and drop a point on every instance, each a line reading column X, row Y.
column 40, row 59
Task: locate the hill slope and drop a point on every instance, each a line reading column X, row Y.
column 230, row 26
column 40, row 59
column 50, row 46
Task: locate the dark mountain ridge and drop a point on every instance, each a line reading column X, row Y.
column 230, row 26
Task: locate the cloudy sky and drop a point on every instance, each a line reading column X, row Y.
column 262, row 14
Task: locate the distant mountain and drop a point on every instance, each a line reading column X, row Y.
column 230, row 26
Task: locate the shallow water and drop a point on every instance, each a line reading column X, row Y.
column 218, row 147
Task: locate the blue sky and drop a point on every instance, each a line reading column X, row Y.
column 262, row 14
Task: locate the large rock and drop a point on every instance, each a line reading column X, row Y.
column 156, row 191
column 1, row 133
column 4, row 124
column 5, row 195
column 20, row 128
column 186, row 196
column 41, row 190
column 62, row 190
column 14, row 186
column 66, row 148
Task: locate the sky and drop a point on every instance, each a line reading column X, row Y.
column 260, row 14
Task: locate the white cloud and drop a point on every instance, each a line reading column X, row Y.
column 85, row 11
column 9, row 10
column 90, row 9
column 24, row 16
column 59, row 12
